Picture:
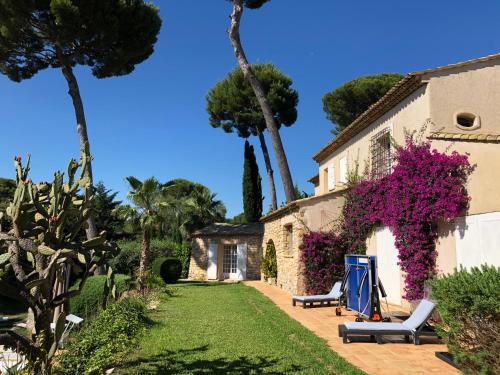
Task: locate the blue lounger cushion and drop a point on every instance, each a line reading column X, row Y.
column 416, row 319
column 334, row 294
column 362, row 326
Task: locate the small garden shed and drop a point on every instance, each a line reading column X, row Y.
column 223, row 251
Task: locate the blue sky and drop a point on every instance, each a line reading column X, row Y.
column 153, row 122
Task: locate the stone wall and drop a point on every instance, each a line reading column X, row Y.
column 199, row 255
column 287, row 255
column 309, row 214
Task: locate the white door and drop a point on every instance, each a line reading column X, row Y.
column 388, row 269
column 212, row 261
column 230, row 262
column 242, row 262
column 477, row 240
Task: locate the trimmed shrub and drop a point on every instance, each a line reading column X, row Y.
column 469, row 305
column 91, row 296
column 268, row 263
column 169, row 269
column 183, row 253
column 105, row 340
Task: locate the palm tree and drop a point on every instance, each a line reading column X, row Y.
column 148, row 200
column 206, row 208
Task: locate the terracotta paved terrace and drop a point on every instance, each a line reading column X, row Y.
column 394, row 357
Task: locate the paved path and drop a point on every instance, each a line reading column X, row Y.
column 389, row 358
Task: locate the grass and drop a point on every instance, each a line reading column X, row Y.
column 207, row 328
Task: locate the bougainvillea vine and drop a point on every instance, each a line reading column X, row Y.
column 425, row 187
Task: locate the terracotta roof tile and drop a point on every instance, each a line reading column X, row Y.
column 477, row 137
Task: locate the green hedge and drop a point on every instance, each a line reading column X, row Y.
column 91, row 296
column 169, row 269
column 469, row 305
column 127, row 262
column 100, row 344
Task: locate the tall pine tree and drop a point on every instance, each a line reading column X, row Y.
column 252, row 188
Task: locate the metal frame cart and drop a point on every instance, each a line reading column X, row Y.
column 361, row 286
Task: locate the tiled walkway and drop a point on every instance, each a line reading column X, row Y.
column 389, row 358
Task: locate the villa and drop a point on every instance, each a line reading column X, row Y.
column 455, row 106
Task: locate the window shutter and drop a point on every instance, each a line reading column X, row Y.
column 343, row 170
column 212, row 261
column 331, row 177
column 241, row 272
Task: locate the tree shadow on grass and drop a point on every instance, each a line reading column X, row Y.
column 182, row 362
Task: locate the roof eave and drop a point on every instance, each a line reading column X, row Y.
column 400, row 91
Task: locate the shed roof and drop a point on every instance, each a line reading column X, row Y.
column 225, row 229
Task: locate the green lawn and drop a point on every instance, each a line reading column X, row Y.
column 207, row 328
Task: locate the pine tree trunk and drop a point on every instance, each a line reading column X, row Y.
column 81, row 127
column 234, row 36
column 143, row 262
column 269, row 169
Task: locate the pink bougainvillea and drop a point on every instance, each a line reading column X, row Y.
column 425, row 186
column 322, row 255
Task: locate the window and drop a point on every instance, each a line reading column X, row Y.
column 343, row 170
column 289, row 239
column 380, row 148
column 331, row 177
column 467, row 121
column 230, row 259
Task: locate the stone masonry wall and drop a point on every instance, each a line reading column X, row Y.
column 287, row 256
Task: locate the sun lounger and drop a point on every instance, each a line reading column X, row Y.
column 334, row 295
column 415, row 326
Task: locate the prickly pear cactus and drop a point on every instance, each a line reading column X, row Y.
column 40, row 249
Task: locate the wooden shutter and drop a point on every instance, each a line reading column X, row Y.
column 212, row 261
column 331, row 177
column 241, row 272
column 343, row 170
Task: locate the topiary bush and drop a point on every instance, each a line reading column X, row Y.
column 183, row 253
column 268, row 263
column 168, row 268
column 469, row 305
column 92, row 294
column 105, row 340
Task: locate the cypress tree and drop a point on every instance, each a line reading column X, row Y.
column 252, row 188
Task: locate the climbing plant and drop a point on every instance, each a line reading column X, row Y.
column 424, row 188
column 322, row 255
